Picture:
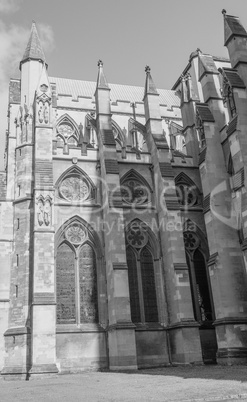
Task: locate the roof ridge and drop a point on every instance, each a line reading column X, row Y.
column 110, row 83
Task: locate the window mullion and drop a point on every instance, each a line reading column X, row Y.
column 140, row 290
column 77, row 290
column 194, row 290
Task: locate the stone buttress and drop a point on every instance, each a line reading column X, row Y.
column 43, row 291
column 18, row 334
column 28, row 339
column 225, row 264
column 183, row 329
column 121, row 331
column 235, row 97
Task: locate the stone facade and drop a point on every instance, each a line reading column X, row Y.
column 123, row 231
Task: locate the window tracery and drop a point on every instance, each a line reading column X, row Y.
column 142, row 287
column 75, row 186
column 67, row 132
column 76, row 268
column 134, row 189
column 200, row 286
column 187, row 192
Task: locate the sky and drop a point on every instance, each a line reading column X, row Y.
column 126, row 34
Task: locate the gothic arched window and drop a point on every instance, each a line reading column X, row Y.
column 76, row 277
column 135, row 189
column 142, row 288
column 187, row 191
column 200, row 285
column 67, row 132
column 75, row 186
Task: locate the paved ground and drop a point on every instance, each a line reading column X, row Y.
column 198, row 383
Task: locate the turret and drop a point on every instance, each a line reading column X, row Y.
column 31, row 67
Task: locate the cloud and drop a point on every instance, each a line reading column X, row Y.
column 9, row 6
column 46, row 36
column 13, row 42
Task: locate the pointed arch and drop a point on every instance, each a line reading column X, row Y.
column 133, row 174
column 74, row 185
column 65, row 289
column 152, row 241
column 141, row 253
column 118, row 134
column 190, row 226
column 197, row 254
column 184, row 178
column 137, row 135
column 135, row 189
column 67, row 128
column 78, row 266
column 92, row 237
column 187, row 191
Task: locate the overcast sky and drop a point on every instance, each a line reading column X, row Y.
column 126, row 34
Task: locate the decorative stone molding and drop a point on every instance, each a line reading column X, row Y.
column 191, row 241
column 119, row 265
column 44, row 210
column 75, row 188
column 137, row 237
column 133, row 192
column 180, row 266
column 135, row 189
column 43, row 101
column 76, row 234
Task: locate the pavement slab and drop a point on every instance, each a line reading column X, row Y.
column 182, row 383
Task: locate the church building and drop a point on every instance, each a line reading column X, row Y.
column 123, row 218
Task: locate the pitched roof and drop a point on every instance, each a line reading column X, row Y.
column 125, row 93
column 34, row 49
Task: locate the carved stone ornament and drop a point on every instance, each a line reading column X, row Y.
column 43, row 88
column 43, row 111
column 137, row 237
column 44, row 211
column 191, row 240
column 186, row 195
column 76, row 234
column 134, row 192
column 65, row 130
column 75, row 188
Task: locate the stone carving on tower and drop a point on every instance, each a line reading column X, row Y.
column 43, row 99
column 44, row 210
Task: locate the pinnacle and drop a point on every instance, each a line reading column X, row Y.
column 101, row 81
column 34, row 49
column 232, row 27
column 150, row 87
